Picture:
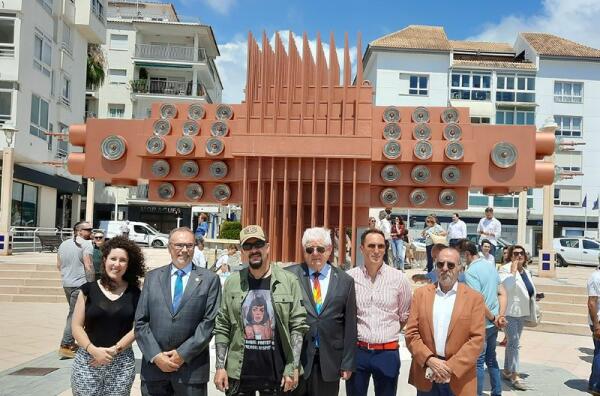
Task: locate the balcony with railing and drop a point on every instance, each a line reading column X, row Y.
column 62, row 149
column 167, row 88
column 168, row 52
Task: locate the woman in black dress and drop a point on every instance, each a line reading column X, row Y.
column 103, row 323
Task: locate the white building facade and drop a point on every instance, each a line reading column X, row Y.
column 43, row 55
column 540, row 76
column 152, row 55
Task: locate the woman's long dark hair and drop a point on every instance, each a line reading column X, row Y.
column 136, row 267
column 258, row 301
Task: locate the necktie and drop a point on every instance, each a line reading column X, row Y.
column 178, row 289
column 316, row 289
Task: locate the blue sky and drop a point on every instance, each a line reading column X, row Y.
column 461, row 19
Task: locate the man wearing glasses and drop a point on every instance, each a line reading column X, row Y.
column 260, row 325
column 74, row 261
column 329, row 347
column 383, row 297
column 445, row 332
column 174, row 322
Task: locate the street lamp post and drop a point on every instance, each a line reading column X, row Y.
column 6, row 195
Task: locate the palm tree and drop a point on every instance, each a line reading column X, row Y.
column 95, row 65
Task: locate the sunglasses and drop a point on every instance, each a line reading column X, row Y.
column 256, row 245
column 311, row 249
column 98, row 237
column 87, row 229
column 380, row 246
column 518, row 254
column 449, row 264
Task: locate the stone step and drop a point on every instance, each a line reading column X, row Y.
column 565, row 298
column 36, row 290
column 565, row 317
column 561, row 328
column 29, row 274
column 566, row 289
column 30, row 282
column 28, row 267
column 32, row 298
column 562, row 307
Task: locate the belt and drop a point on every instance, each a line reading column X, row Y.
column 386, row 346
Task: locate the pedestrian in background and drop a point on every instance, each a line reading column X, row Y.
column 125, row 229
column 103, row 323
column 397, row 233
column 385, row 226
column 97, row 242
column 202, row 229
column 489, row 228
column 199, row 259
column 520, row 291
column 457, row 230
column 74, row 261
column 432, row 229
column 593, row 286
column 486, row 252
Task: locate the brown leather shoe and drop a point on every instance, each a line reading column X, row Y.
column 66, row 351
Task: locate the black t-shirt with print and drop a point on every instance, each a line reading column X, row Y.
column 263, row 363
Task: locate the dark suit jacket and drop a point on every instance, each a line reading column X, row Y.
column 464, row 344
column 336, row 325
column 189, row 330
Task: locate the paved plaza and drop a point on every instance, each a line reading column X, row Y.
column 553, row 364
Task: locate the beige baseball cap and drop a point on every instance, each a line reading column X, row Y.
column 252, row 231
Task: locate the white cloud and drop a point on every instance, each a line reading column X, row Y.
column 233, row 60
column 576, row 20
column 220, row 6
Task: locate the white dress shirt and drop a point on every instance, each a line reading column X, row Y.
column 385, row 226
column 457, row 230
column 187, row 269
column 493, row 226
column 324, row 277
column 199, row 260
column 443, row 304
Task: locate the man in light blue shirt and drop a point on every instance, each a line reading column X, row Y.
column 482, row 276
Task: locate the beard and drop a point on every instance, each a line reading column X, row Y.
column 255, row 264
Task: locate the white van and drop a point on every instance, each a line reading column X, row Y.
column 141, row 233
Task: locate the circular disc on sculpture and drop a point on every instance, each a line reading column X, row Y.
column 191, row 128
column 391, row 131
column 224, row 112
column 189, row 169
column 155, row 145
column 193, row 191
column 420, row 174
column 504, row 155
column 391, row 114
column 196, row 112
column 222, row 192
column 185, row 145
column 113, row 147
column 422, row 132
column 423, row 150
column 450, row 115
column 161, row 168
column 454, row 151
column 390, row 173
column 391, row 150
column 418, row 197
column 166, row 191
column 420, row 114
column 451, row 174
column 161, row 127
column 452, row 132
column 218, row 169
column 389, row 197
column 219, row 129
column 214, row 146
column 168, row 110
column 447, row 197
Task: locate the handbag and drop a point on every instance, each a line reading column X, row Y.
column 535, row 314
column 438, row 239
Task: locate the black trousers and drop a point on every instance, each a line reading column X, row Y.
column 234, row 390
column 314, row 385
column 172, row 388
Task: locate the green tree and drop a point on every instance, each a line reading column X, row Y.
column 95, row 65
column 230, row 230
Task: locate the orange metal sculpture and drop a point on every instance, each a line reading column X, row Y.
column 307, row 148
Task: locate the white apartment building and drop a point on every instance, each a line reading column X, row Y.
column 540, row 76
column 43, row 53
column 152, row 55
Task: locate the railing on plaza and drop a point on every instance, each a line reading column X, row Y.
column 169, row 52
column 25, row 239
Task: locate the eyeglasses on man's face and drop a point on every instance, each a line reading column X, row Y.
column 311, row 249
column 181, row 246
column 449, row 264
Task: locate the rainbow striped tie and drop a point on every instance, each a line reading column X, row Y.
column 316, row 289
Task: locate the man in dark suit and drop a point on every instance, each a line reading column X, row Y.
column 174, row 322
column 330, row 302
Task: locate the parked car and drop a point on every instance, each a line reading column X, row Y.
column 576, row 250
column 141, row 233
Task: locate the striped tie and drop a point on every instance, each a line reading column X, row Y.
column 178, row 289
column 316, row 289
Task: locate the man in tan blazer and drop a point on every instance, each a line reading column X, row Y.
column 445, row 333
